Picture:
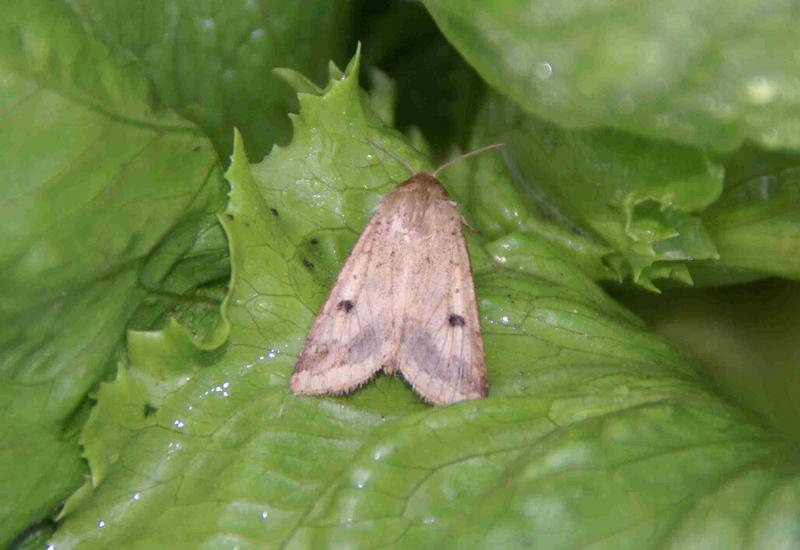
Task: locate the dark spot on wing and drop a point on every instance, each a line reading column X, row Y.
column 308, row 264
column 314, row 241
column 274, row 212
column 149, row 410
column 456, row 320
column 322, row 350
column 345, row 305
column 229, row 216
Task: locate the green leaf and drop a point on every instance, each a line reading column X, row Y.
column 441, row 94
column 596, row 431
column 709, row 73
column 743, row 336
column 639, row 196
column 382, row 95
column 212, row 61
column 34, row 538
column 756, row 223
column 95, row 176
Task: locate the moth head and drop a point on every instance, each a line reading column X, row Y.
column 423, row 179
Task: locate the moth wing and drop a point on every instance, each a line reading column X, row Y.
column 351, row 336
column 441, row 354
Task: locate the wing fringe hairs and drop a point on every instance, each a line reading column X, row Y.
column 404, row 301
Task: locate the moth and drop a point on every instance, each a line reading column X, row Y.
column 404, row 301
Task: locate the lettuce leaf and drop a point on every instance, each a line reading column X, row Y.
column 212, row 62
column 640, row 200
column 596, row 431
column 708, row 73
column 95, row 176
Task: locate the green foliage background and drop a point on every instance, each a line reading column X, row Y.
column 183, row 180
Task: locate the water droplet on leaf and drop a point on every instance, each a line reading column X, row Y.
column 544, row 70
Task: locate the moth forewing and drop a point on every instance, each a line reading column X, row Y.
column 404, row 301
column 342, row 350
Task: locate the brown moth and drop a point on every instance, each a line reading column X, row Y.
column 403, row 302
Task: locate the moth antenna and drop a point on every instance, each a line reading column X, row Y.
column 467, row 155
column 392, row 154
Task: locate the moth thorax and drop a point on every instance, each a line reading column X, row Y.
column 425, row 182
